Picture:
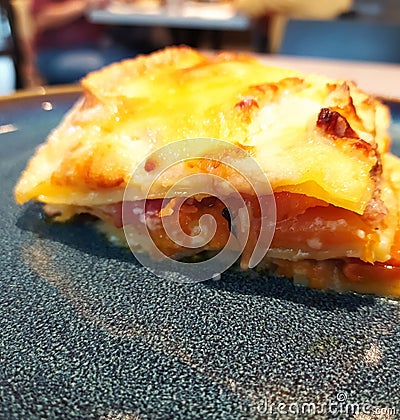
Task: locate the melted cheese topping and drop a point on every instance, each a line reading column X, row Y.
column 132, row 108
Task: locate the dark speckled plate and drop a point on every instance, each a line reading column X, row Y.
column 87, row 333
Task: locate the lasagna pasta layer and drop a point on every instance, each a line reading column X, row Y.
column 323, row 145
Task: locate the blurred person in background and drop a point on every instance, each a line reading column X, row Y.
column 270, row 16
column 22, row 30
column 66, row 45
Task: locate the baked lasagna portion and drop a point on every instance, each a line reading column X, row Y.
column 323, row 145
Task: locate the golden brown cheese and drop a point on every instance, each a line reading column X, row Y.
column 132, row 108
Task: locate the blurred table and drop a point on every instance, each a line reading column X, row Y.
column 175, row 14
column 380, row 79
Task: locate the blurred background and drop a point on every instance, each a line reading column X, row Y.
column 59, row 41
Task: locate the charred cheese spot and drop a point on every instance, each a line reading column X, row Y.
column 335, row 124
column 150, row 165
column 246, row 107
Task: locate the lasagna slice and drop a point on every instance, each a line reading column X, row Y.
column 322, row 144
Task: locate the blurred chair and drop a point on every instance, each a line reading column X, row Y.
column 348, row 39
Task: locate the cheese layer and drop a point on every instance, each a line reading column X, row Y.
column 310, row 135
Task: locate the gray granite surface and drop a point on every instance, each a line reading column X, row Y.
column 87, row 333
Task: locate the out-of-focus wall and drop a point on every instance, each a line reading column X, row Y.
column 7, row 79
